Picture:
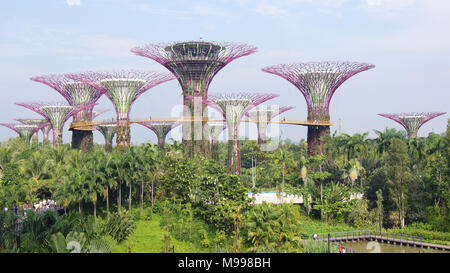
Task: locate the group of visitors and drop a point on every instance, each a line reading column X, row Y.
column 42, row 205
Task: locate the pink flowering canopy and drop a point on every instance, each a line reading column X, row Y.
column 318, row 81
column 195, row 63
column 412, row 121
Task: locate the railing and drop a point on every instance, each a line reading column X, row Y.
column 371, row 235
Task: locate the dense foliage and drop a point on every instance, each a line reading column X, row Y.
column 386, row 182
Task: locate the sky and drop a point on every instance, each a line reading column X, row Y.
column 406, row 40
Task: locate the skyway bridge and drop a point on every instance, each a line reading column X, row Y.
column 90, row 126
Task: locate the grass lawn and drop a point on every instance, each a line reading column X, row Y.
column 149, row 238
column 310, row 226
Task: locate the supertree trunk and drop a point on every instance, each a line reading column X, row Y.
column 195, row 130
column 315, row 138
column 57, row 136
column 161, row 142
column 205, row 132
column 82, row 139
column 108, row 132
column 45, row 133
column 123, row 131
column 233, row 152
column 215, row 149
column 262, row 129
column 215, row 129
column 35, row 138
column 187, row 128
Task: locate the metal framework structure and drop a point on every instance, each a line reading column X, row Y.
column 161, row 130
column 123, row 88
column 262, row 116
column 412, row 121
column 233, row 107
column 77, row 94
column 25, row 131
column 57, row 113
column 318, row 81
column 34, row 121
column 195, row 63
column 108, row 131
column 98, row 112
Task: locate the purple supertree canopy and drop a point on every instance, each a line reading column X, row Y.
column 57, row 113
column 318, row 81
column 75, row 92
column 223, row 52
column 122, row 87
column 161, row 129
column 32, row 121
column 24, row 130
column 195, row 63
column 234, row 105
column 412, row 121
column 265, row 113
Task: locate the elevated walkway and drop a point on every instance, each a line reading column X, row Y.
column 90, row 126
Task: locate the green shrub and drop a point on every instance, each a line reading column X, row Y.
column 119, row 226
column 315, row 246
column 425, row 234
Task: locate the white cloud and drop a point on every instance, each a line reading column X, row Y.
column 73, row 2
column 268, row 9
column 389, row 5
column 184, row 14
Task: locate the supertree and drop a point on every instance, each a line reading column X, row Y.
column 33, row 121
column 233, row 107
column 412, row 121
column 161, row 129
column 317, row 81
column 195, row 63
column 25, row 131
column 77, row 94
column 123, row 88
column 262, row 116
column 108, row 131
column 57, row 113
column 215, row 129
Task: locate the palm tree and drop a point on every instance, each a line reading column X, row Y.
column 384, row 138
column 284, row 157
column 94, row 177
column 122, row 166
column 109, row 177
column 37, row 169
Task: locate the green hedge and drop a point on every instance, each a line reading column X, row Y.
column 425, row 234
